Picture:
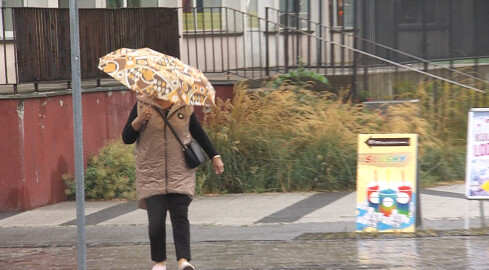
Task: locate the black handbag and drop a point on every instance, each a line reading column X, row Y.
column 194, row 156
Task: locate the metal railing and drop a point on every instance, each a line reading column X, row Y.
column 223, row 40
column 253, row 47
column 9, row 72
column 394, row 54
column 231, row 42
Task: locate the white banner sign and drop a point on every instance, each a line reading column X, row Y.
column 477, row 167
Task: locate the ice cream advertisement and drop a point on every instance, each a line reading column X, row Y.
column 386, row 182
column 477, row 167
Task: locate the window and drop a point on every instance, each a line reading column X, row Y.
column 201, row 15
column 6, row 12
column 81, row 4
column 131, row 3
column 11, row 3
column 343, row 13
column 203, row 5
column 114, row 3
column 411, row 11
column 63, row 3
column 293, row 11
column 252, row 8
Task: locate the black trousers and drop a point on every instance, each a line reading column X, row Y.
column 177, row 205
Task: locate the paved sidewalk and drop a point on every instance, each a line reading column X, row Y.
column 265, row 217
column 441, row 208
column 247, row 231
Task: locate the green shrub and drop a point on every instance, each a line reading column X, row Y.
column 291, row 139
column 109, row 175
column 443, row 163
column 302, row 78
column 326, row 164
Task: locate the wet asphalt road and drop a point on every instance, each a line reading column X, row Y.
column 429, row 253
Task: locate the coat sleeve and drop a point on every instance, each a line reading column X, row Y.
column 129, row 135
column 201, row 137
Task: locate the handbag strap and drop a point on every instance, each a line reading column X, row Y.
column 162, row 114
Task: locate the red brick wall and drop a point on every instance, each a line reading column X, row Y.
column 37, row 148
column 11, row 157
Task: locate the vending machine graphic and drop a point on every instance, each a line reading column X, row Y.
column 387, row 182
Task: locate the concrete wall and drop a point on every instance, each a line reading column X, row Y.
column 37, row 148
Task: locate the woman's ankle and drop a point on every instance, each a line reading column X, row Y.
column 159, row 266
column 181, row 261
column 183, row 264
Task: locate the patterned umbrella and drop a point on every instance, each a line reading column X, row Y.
column 158, row 75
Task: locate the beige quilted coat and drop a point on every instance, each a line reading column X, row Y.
column 160, row 164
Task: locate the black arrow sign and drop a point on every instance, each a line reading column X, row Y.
column 387, row 142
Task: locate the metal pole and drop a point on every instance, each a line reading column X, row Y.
column 424, row 35
column 187, row 41
column 258, row 20
column 267, row 43
column 235, row 43
column 286, row 38
column 2, row 12
column 249, row 27
column 331, row 39
column 204, row 39
column 228, row 56
column 77, row 128
column 355, row 45
column 364, row 45
column 320, row 49
column 277, row 40
column 342, row 52
column 418, row 218
column 309, row 31
column 243, row 28
column 15, row 50
column 221, row 39
column 297, row 8
column 196, row 21
column 213, row 37
column 481, row 208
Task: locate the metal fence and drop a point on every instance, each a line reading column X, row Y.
column 228, row 41
column 39, row 51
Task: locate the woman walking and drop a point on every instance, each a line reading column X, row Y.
column 163, row 179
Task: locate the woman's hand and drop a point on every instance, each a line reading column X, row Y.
column 142, row 118
column 217, row 165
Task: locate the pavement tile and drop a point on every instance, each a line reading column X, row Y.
column 249, row 231
column 55, row 214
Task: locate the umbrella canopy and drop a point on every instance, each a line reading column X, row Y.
column 158, row 75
